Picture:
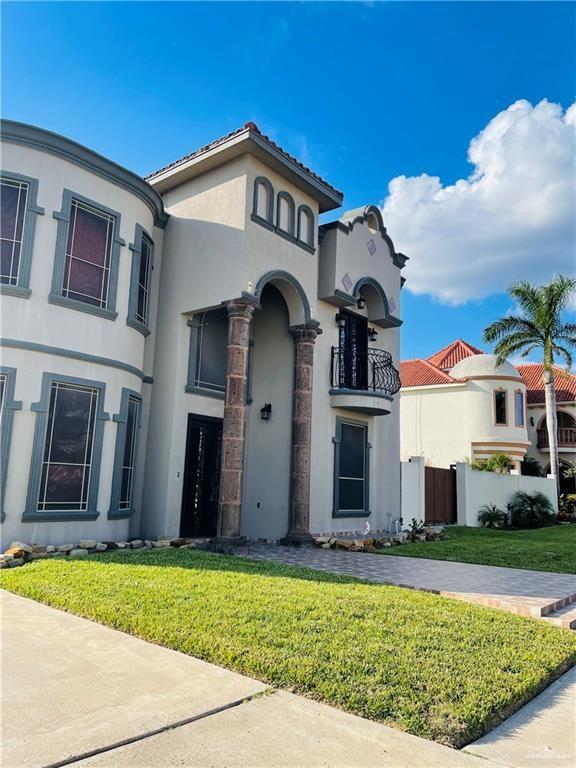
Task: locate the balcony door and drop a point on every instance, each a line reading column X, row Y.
column 353, row 363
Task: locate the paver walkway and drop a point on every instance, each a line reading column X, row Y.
column 529, row 593
column 77, row 693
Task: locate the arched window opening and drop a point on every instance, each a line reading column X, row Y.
column 264, row 199
column 285, row 213
column 306, row 225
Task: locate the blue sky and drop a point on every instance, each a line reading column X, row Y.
column 361, row 92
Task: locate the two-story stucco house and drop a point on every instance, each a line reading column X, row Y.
column 193, row 353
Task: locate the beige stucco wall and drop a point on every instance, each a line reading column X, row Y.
column 448, row 423
column 36, row 320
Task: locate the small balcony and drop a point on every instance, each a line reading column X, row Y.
column 566, row 438
column 363, row 380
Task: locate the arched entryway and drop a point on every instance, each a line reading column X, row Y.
column 265, row 475
column 266, row 496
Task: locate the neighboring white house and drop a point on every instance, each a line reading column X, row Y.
column 458, row 404
column 192, row 353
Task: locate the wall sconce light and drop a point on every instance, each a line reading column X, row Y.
column 361, row 303
column 340, row 320
column 266, row 412
column 531, row 421
column 372, row 334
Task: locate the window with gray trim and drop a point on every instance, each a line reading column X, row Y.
column 263, row 209
column 208, row 351
column 285, row 213
column 18, row 212
column 68, row 436
column 305, row 226
column 68, row 447
column 13, row 197
column 142, row 266
column 351, row 469
column 87, row 254
column 7, row 407
column 122, row 496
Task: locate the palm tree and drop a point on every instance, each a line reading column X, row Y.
column 539, row 326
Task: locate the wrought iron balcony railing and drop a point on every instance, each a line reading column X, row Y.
column 566, row 437
column 368, row 370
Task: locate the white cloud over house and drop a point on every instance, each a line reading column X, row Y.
column 512, row 218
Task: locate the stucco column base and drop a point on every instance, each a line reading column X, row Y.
column 299, row 531
column 240, row 314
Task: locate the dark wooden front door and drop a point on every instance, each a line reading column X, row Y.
column 440, row 495
column 201, row 476
column 353, row 363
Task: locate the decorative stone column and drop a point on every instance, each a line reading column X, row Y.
column 299, row 533
column 240, row 314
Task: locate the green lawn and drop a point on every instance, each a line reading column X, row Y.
column 542, row 549
column 435, row 667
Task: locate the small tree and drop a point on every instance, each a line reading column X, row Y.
column 539, row 326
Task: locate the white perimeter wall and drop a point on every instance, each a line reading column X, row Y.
column 474, row 489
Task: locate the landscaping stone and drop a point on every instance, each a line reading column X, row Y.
column 386, row 544
column 23, row 547
column 122, row 544
column 101, row 546
column 136, row 543
column 15, row 562
column 65, row 548
column 87, row 544
column 38, row 548
column 79, row 552
column 147, row 543
column 50, row 549
column 157, row 544
column 16, row 552
column 38, row 555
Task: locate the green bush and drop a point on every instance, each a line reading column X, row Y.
column 492, row 516
column 499, row 462
column 531, row 510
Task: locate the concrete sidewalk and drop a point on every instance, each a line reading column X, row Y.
column 72, row 687
column 77, row 693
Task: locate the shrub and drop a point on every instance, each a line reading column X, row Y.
column 530, row 467
column 531, row 510
column 498, row 462
column 492, row 516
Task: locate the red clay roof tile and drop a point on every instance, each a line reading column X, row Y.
column 455, row 352
column 533, row 373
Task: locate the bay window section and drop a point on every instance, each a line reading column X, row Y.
column 87, row 254
column 67, row 447
column 351, row 469
column 18, row 212
column 142, row 264
column 122, row 497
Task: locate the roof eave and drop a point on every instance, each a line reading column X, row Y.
column 246, row 142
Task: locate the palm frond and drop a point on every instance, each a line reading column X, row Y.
column 506, row 326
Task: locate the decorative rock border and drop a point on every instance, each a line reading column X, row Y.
column 371, row 543
column 19, row 553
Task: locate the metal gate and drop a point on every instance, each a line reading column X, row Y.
column 440, row 495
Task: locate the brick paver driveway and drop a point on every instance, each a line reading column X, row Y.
column 530, row 593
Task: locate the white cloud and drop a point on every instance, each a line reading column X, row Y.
column 513, row 218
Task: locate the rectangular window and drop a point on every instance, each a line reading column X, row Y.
column 13, row 201
column 211, row 356
column 68, row 448
column 129, row 457
column 88, row 255
column 144, row 279
column 519, row 408
column 351, row 468
column 500, row 415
